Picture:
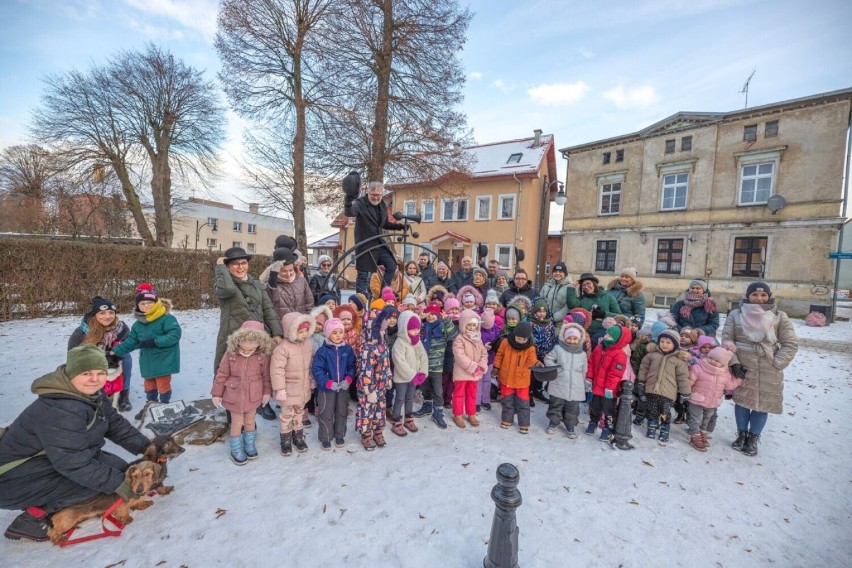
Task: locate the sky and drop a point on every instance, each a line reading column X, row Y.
column 581, row 70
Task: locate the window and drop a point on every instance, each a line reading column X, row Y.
column 250, row 247
column 669, row 256
column 213, row 222
column 238, row 227
column 461, row 210
column 446, row 210
column 756, row 183
column 770, row 130
column 610, row 198
column 503, row 255
column 483, row 208
column 605, row 256
column 237, row 244
column 514, row 158
column 409, row 207
column 606, row 157
column 686, row 144
column 619, row 157
column 670, row 146
column 674, row 191
column 750, row 133
column 428, row 211
column 749, row 255
column 252, row 229
column 211, row 242
column 454, row 209
column 507, row 207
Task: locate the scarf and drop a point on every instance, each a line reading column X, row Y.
column 473, row 335
column 758, row 322
column 692, row 301
column 157, row 311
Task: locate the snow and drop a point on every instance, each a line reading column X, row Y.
column 424, row 500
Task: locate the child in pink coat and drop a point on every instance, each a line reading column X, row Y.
column 470, row 364
column 710, row 379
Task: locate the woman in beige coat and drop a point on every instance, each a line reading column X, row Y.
column 765, row 344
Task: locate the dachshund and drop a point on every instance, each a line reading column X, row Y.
column 141, row 477
column 160, row 451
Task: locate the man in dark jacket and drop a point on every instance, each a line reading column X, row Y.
column 427, row 273
column 444, row 278
column 371, row 216
column 464, row 276
column 520, row 284
column 60, row 438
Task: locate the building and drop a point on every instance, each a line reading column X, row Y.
column 726, row 196
column 329, row 245
column 502, row 203
column 203, row 224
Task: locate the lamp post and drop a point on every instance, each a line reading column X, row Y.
column 560, row 200
column 198, row 231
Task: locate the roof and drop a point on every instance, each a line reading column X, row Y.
column 493, row 159
column 331, row 241
column 687, row 120
column 449, row 235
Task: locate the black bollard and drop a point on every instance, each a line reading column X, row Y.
column 624, row 422
column 503, row 544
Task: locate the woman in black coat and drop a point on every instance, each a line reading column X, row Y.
column 58, row 443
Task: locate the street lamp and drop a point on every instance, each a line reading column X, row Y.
column 560, row 200
column 198, row 231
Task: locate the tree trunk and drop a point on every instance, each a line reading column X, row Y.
column 133, row 202
column 161, row 190
column 299, row 142
column 383, row 62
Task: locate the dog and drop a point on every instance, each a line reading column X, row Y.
column 141, row 477
column 160, row 451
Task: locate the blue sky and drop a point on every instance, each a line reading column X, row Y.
column 582, row 70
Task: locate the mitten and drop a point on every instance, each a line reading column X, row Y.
column 682, row 398
column 348, row 380
column 147, row 343
column 738, row 371
column 125, row 491
column 608, row 393
column 372, row 397
column 281, row 395
column 276, row 266
column 329, row 385
column 418, row 379
column 217, row 401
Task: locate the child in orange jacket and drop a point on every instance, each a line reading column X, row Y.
column 515, row 357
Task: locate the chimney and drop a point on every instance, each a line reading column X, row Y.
column 254, row 208
column 537, row 139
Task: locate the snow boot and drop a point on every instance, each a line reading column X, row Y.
column 299, row 441
column 638, row 420
column 235, row 445
column 486, row 406
column 457, row 420
column 398, row 429
column 339, row 442
column 248, row 444
column 706, row 438
column 653, row 425
column 740, row 441
column 424, row 410
column 697, row 442
column 571, row 433
column 124, row 402
column 438, row 418
column 750, row 447
column 367, row 441
column 606, row 435
column 590, row 429
column 474, row 421
column 551, row 428
column 165, row 397
column 286, row 443
column 409, row 424
column 151, row 395
column 664, row 433
column 266, row 412
column 32, row 524
column 379, row 438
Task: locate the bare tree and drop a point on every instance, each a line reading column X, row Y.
column 141, row 108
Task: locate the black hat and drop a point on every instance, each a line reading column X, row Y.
column 100, row 305
column 523, row 329
column 352, row 184
column 284, row 254
column 236, row 253
column 758, row 286
column 560, row 266
column 285, row 241
column 589, row 276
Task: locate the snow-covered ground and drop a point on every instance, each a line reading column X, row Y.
column 424, row 499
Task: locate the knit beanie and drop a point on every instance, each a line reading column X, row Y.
column 100, row 305
column 145, row 292
column 480, row 270
column 706, row 340
column 377, row 305
column 491, row 297
column 523, row 329
column 388, row 295
column 514, row 312
column 612, row 335
column 413, row 323
column 410, row 300
column 540, row 304
column 390, row 312
column 629, row 271
column 85, row 358
column 488, row 318
column 357, row 302
column 438, row 295
column 721, row 355
column 323, row 258
column 658, row 327
column 326, row 297
column 698, row 282
column 468, row 297
column 757, row 287
column 252, row 325
column 434, row 308
column 691, row 333
column 670, row 334
column 571, row 332
column 502, row 273
column 451, row 303
column 580, row 318
column 331, row 325
column 304, row 326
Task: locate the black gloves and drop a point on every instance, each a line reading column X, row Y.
column 147, row 343
column 738, row 371
column 682, row 398
column 640, row 389
column 598, row 313
column 126, row 492
column 273, row 279
column 352, row 185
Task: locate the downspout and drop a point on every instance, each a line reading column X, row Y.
column 517, row 217
column 843, row 216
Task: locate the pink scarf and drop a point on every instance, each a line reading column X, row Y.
column 692, row 301
column 758, row 322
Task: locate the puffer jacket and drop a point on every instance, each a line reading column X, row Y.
column 72, row 429
column 630, row 300
column 292, row 296
column 408, row 358
column 398, row 284
column 607, row 365
column 513, row 365
column 526, row 290
column 468, row 354
column 242, row 381
column 763, row 388
column 241, row 301
column 477, row 295
column 704, row 318
column 709, row 384
column 600, row 299
column 556, row 295
column 164, row 358
column 665, row 375
column 290, row 368
column 435, row 337
column 570, row 382
column 333, row 363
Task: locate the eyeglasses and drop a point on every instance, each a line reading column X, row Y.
column 238, row 263
column 520, row 278
column 325, row 264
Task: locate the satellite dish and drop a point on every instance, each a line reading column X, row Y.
column 776, row 203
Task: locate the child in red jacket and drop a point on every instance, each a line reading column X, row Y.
column 606, row 370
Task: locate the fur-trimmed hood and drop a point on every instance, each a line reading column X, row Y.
column 290, row 324
column 571, row 325
column 430, row 295
column 260, row 337
column 633, row 290
column 322, row 310
column 476, row 294
column 521, row 299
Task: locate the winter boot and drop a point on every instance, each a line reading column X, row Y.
column 740, row 441
column 299, row 441
column 398, row 429
column 286, row 443
column 664, row 433
column 124, row 402
column 379, row 438
column 653, row 425
column 638, row 420
column 750, row 447
column 235, row 445
column 706, row 438
column 458, row 421
column 571, row 433
column 151, row 395
column 424, row 410
column 606, row 435
column 474, row 421
column 551, row 428
column 248, row 444
column 306, row 422
column 486, row 406
column 165, row 397
column 590, row 429
column 410, row 424
column 438, row 418
column 266, row 412
column 368, row 442
column 697, row 442
column 32, row 524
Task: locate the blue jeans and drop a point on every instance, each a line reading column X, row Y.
column 750, row 420
column 127, row 369
column 384, row 258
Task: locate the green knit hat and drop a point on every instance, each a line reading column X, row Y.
column 85, row 358
column 614, row 333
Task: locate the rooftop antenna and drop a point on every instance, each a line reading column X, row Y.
column 745, row 86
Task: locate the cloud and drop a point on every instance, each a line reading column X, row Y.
column 198, row 15
column 475, row 75
column 500, row 85
column 155, row 32
column 632, row 98
column 586, row 53
column 559, row 94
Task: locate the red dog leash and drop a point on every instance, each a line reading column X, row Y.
column 107, row 516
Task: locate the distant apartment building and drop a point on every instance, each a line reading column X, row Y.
column 730, row 197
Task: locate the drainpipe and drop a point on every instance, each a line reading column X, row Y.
column 517, row 214
column 843, row 217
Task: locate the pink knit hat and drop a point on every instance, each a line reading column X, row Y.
column 720, row 354
column 331, row 325
column 388, row 295
column 252, row 325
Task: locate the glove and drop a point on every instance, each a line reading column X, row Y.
column 264, row 400
column 348, row 380
column 608, row 393
column 147, row 343
column 738, row 371
column 372, row 397
column 352, row 185
column 682, row 398
column 640, row 389
column 273, row 279
column 217, row 401
column 418, row 379
column 126, row 492
column 281, row 395
column 598, row 313
column 329, row 385
column 276, row 266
